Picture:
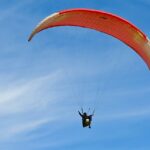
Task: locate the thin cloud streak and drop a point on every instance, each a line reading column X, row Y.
column 21, row 128
column 15, row 94
column 26, row 114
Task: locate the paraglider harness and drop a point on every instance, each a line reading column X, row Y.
column 86, row 119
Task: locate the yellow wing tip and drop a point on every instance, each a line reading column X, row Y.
column 43, row 25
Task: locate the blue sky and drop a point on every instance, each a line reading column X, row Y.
column 45, row 82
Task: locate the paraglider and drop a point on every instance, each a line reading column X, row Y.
column 86, row 119
column 101, row 21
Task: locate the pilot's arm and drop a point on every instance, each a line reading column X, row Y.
column 80, row 113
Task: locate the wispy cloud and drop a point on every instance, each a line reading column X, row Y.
column 21, row 128
column 20, row 108
column 25, row 106
column 23, row 93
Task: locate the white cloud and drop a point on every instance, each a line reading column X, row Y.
column 22, row 111
column 19, row 128
column 20, row 97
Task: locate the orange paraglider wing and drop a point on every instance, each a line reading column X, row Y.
column 101, row 21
